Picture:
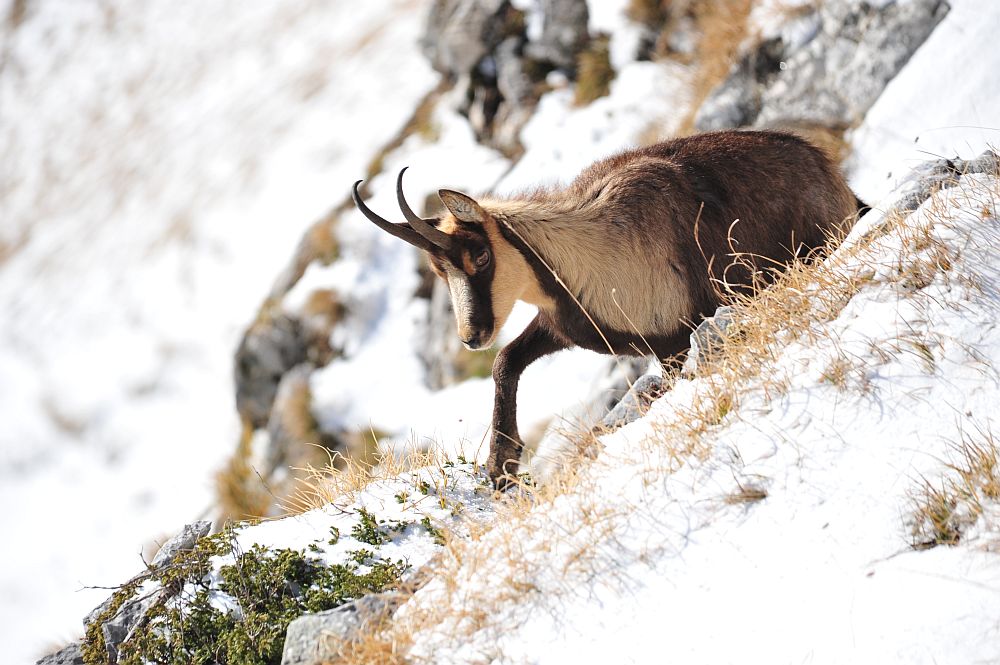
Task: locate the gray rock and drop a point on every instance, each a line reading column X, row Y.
column 183, row 541
column 938, row 174
column 270, row 347
column 459, row 34
column 483, row 46
column 564, row 33
column 518, row 95
column 830, row 80
column 69, row 655
column 120, row 626
column 683, row 39
column 707, row 338
column 512, row 82
column 737, row 102
column 635, row 403
column 312, row 639
column 441, row 344
column 988, row 162
column 561, row 446
column 835, row 79
column 292, row 428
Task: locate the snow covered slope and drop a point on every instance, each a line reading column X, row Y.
column 943, row 103
column 772, row 515
column 826, row 489
column 160, row 161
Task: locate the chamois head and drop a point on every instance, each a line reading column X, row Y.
column 463, row 247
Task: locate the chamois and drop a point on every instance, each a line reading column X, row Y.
column 628, row 255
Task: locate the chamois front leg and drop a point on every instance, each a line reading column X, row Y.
column 536, row 341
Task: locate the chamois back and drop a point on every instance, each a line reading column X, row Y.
column 647, row 238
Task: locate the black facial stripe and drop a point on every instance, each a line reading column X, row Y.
column 469, row 239
column 481, row 285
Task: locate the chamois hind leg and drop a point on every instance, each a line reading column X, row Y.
column 505, row 444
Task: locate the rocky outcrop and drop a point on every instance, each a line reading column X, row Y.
column 831, row 78
column 932, row 176
column 69, row 655
column 280, row 339
column 634, row 404
column 273, row 363
column 119, row 616
column 441, row 345
column 316, row 639
column 708, row 338
column 460, row 34
column 562, row 33
column 269, row 348
column 498, row 56
column 613, row 402
column 293, row 432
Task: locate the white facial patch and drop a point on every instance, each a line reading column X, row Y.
column 461, row 300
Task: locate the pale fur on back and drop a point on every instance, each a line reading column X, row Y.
column 608, row 267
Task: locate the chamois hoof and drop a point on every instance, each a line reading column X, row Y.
column 504, row 476
column 504, row 482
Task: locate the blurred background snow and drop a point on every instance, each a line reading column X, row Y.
column 160, row 161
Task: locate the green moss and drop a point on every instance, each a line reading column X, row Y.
column 94, row 649
column 265, row 589
column 186, row 565
column 367, row 529
column 433, row 531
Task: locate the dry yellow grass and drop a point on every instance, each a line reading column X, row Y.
column 722, row 27
column 594, row 71
column 240, row 489
column 944, row 509
column 652, row 13
column 806, row 295
column 343, row 476
column 385, row 641
column 830, row 140
column 463, row 603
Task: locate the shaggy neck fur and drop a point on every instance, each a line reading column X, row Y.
column 604, row 261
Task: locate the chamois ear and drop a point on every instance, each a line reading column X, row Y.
column 463, row 207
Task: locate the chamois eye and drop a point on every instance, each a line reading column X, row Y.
column 483, row 258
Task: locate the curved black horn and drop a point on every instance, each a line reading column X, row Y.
column 421, row 226
column 401, row 231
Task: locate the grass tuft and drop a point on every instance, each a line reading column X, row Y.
column 722, row 26
column 240, row 489
column 943, row 510
column 651, row 13
column 594, row 71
